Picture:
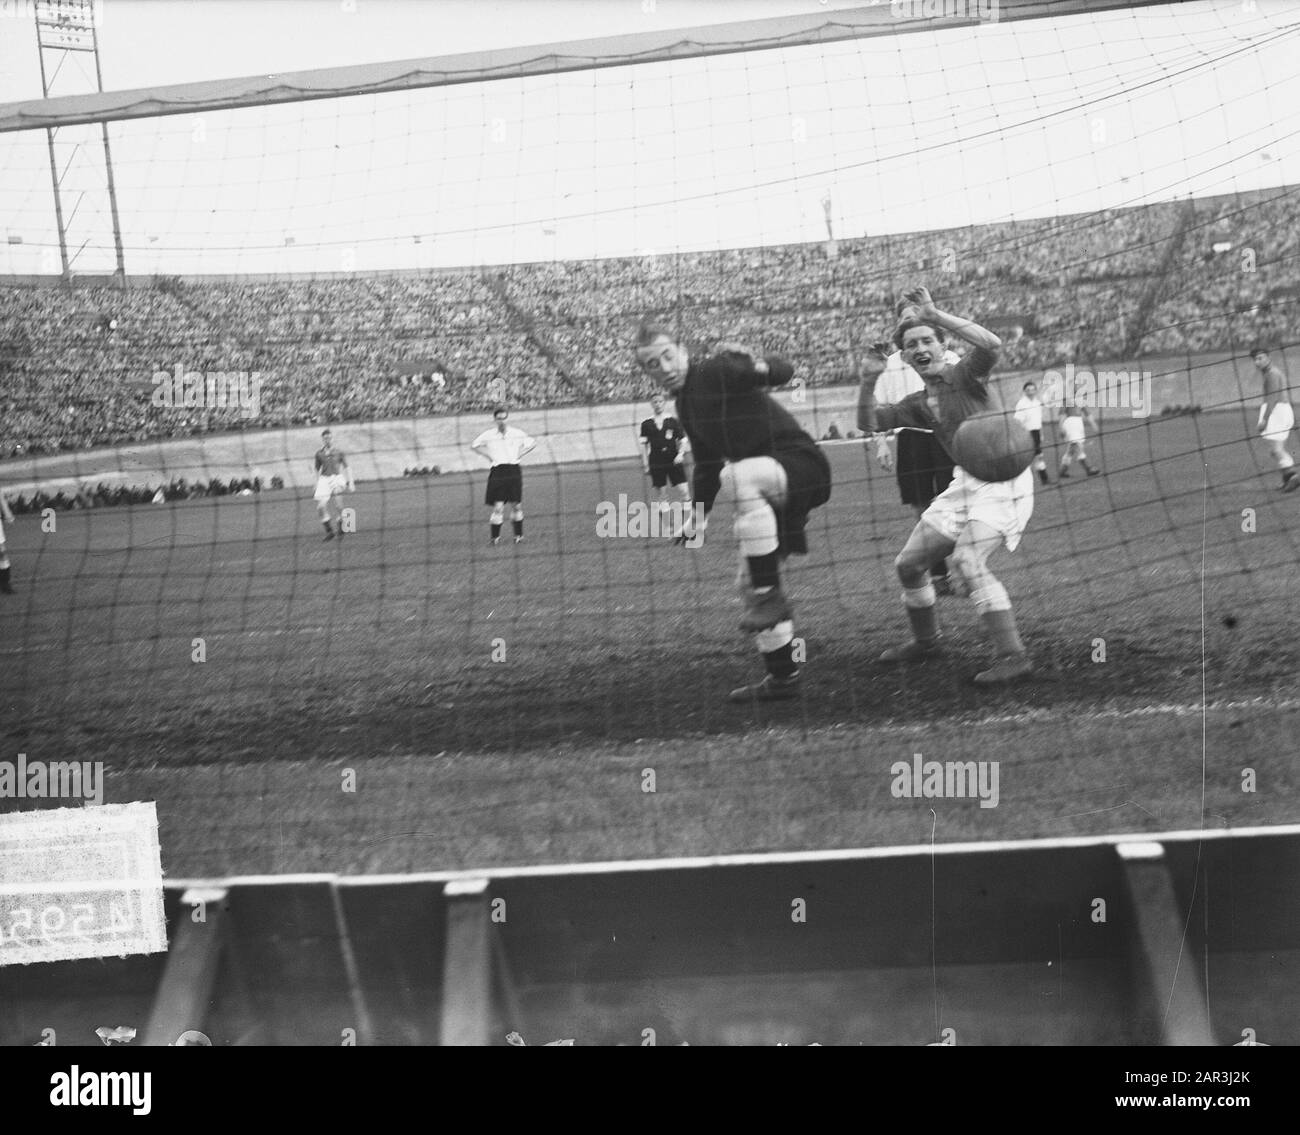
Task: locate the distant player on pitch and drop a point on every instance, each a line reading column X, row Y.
column 1029, row 413
column 333, row 475
column 748, row 448
column 503, row 447
column 1073, row 426
column 972, row 517
column 1276, row 417
column 662, row 456
column 6, row 517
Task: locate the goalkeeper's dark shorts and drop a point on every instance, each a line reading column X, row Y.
column 808, row 486
column 924, row 468
column 505, row 483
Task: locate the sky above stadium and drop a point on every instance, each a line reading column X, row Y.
column 911, row 131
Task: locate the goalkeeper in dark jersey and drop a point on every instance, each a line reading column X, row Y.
column 751, row 450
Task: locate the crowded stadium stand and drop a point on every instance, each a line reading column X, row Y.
column 79, row 360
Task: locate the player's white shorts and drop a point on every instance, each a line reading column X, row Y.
column 327, row 487
column 1072, row 429
column 1004, row 506
column 1280, row 422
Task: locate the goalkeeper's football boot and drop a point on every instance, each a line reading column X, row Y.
column 1008, row 668
column 764, row 610
column 1290, row 481
column 771, row 688
column 913, row 651
column 925, row 637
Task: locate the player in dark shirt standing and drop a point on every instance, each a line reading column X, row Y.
column 661, row 443
column 1276, row 417
column 749, row 448
column 332, row 476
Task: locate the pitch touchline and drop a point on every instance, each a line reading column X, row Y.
column 1035, row 715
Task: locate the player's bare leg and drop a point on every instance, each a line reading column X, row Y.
column 757, row 485
column 1075, row 452
column 1286, row 463
column 661, row 497
column 924, row 547
column 970, row 560
column 496, row 520
column 939, row 569
column 338, row 518
column 323, row 508
column 1040, row 462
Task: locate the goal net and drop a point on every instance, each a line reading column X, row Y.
column 1111, row 191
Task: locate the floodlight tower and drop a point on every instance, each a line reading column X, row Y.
column 65, row 39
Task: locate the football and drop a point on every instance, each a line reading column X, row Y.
column 993, row 446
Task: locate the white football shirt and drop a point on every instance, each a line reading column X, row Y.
column 504, row 449
column 1029, row 412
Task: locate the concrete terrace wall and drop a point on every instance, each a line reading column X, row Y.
column 383, row 449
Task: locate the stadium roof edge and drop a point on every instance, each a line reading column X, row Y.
column 656, row 46
column 148, row 279
column 754, row 859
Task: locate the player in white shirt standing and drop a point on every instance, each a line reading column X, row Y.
column 504, row 446
column 1029, row 413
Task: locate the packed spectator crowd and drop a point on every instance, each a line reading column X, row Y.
column 80, row 366
column 105, row 495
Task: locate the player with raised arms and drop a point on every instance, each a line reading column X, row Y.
column 333, row 475
column 991, row 497
column 922, row 466
column 749, row 449
column 1276, row 417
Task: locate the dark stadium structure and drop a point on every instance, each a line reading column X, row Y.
column 1180, row 939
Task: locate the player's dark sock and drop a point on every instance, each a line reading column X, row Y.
column 5, row 585
column 780, row 662
column 925, row 624
column 327, row 526
column 1042, row 476
column 496, row 532
column 765, row 571
column 519, row 528
column 1001, row 628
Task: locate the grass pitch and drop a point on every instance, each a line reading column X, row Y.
column 503, row 704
